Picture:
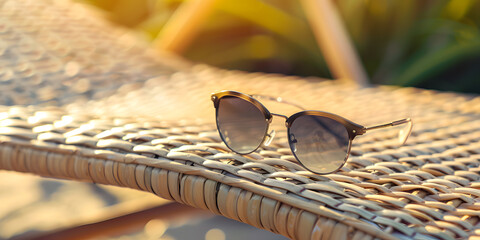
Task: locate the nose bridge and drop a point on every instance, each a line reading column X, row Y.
column 280, row 115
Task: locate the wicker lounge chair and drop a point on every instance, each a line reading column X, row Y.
column 83, row 100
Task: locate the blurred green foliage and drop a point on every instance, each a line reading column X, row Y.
column 430, row 43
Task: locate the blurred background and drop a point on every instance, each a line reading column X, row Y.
column 427, row 44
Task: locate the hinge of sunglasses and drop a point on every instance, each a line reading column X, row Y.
column 361, row 132
column 214, row 100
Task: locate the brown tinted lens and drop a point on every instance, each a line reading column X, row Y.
column 241, row 124
column 319, row 143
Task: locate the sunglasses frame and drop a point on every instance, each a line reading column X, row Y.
column 268, row 116
column 352, row 128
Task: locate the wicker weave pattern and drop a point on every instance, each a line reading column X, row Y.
column 62, row 54
column 125, row 136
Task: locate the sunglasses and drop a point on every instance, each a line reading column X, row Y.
column 320, row 141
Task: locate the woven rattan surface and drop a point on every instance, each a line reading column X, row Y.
column 92, row 104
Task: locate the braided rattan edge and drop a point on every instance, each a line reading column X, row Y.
column 229, row 196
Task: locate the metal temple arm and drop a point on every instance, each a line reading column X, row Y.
column 404, row 133
column 394, row 123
